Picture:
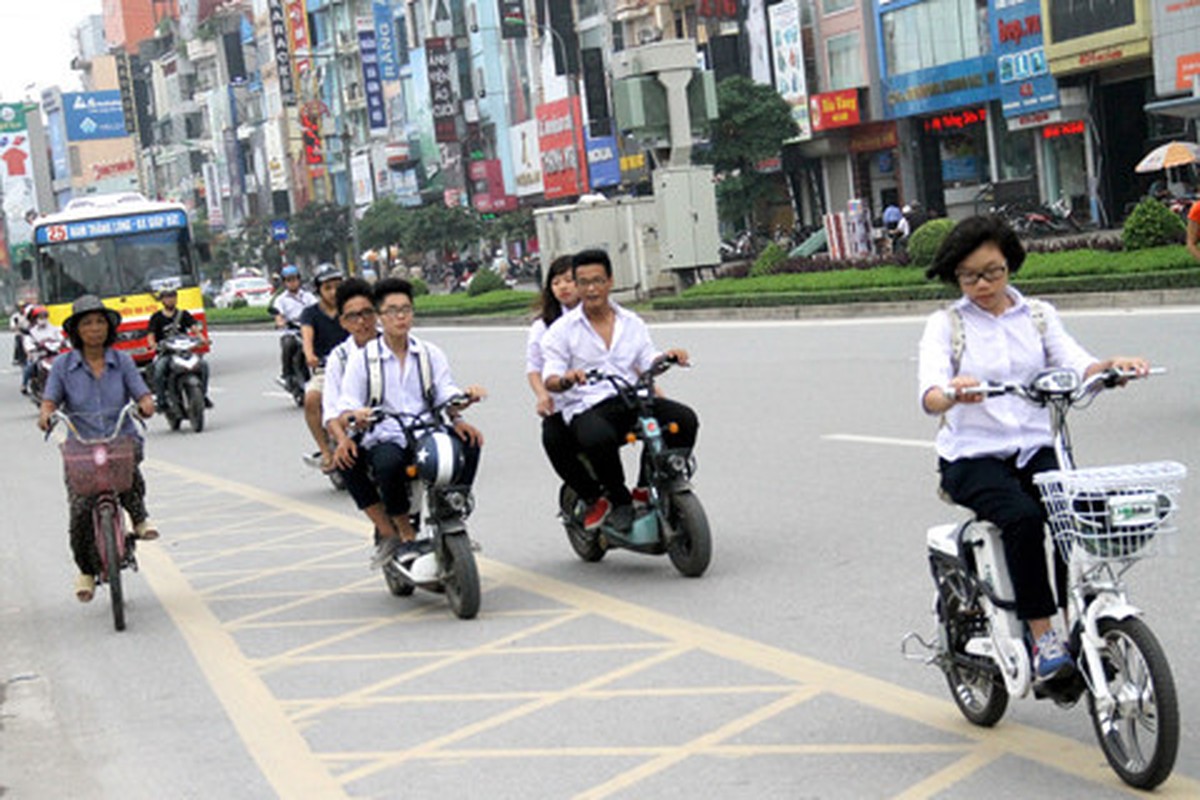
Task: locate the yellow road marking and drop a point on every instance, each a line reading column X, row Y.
column 942, row 780
column 276, row 745
column 1056, row 752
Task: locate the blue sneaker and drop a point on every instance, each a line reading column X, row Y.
column 1050, row 656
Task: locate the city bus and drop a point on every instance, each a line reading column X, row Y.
column 124, row 249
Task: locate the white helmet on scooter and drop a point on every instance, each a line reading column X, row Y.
column 440, row 458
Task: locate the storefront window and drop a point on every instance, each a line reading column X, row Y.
column 933, row 33
column 1070, row 19
column 1017, row 156
column 831, row 6
column 845, row 61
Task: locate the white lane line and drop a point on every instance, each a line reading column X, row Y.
column 277, row 394
column 887, row 440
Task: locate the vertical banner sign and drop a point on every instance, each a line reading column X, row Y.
column 604, row 162
column 16, row 173
column 1026, row 85
column 212, row 197
column 527, row 162
column 512, row 19
column 310, row 130
column 385, row 40
column 125, row 85
column 372, row 80
column 560, row 137
column 787, row 58
column 283, row 53
column 298, row 38
column 439, row 56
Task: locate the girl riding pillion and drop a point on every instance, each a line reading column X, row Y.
column 989, row 452
column 93, row 383
column 558, row 296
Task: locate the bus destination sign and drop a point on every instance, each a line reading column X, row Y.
column 111, row 226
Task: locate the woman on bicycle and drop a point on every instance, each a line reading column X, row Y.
column 93, row 383
column 989, row 452
column 558, row 296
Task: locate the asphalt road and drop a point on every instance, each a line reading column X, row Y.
column 264, row 659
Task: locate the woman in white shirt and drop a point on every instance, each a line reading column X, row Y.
column 558, row 296
column 988, row 452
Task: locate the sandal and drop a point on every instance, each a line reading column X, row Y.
column 145, row 531
column 85, row 588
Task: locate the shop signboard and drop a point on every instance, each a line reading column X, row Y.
column 560, row 140
column 372, row 76
column 604, row 162
column 439, row 56
column 873, row 137
column 1087, row 35
column 94, row 115
column 282, row 49
column 487, row 186
column 298, row 36
column 527, row 161
column 1026, row 84
column 385, row 40
column 1176, row 45
column 925, row 91
column 834, row 109
column 787, row 60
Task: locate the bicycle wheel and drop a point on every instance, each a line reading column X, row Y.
column 110, row 559
column 460, row 575
column 691, row 549
column 1140, row 734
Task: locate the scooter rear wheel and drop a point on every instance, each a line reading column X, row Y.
column 586, row 545
column 461, row 576
column 978, row 692
column 1140, row 738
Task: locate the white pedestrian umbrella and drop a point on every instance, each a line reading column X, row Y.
column 1171, row 154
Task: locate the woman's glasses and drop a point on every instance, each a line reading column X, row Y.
column 991, row 274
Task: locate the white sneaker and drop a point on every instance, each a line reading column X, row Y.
column 384, row 551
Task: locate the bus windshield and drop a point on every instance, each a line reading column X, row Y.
column 116, row 266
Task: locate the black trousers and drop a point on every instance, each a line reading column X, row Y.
column 358, row 481
column 1003, row 494
column 389, row 462
column 290, row 348
column 563, row 451
column 601, row 431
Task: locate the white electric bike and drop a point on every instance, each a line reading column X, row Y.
column 1103, row 520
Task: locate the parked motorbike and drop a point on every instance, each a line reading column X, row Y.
column 446, row 564
column 184, row 393
column 1102, row 520
column 668, row 517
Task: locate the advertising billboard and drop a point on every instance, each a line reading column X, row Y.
column 16, row 172
column 1026, row 84
column 604, row 161
column 787, row 61
column 94, row 115
column 527, row 159
column 560, row 140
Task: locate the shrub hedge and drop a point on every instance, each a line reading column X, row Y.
column 924, row 242
column 1152, row 224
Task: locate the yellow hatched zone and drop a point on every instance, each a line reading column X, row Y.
column 338, row 689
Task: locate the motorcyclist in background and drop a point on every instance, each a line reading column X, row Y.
column 170, row 321
column 288, row 304
column 321, row 331
column 18, row 323
column 41, row 338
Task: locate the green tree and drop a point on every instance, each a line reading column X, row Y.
column 437, row 227
column 319, row 231
column 384, row 224
column 753, row 122
column 514, row 226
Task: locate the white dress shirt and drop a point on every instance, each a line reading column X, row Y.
column 572, row 343
column 401, row 387
column 1000, row 348
column 335, row 370
column 290, row 304
column 535, row 359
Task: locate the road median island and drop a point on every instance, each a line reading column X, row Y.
column 1059, row 273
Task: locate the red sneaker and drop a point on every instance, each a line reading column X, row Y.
column 641, row 495
column 596, row 514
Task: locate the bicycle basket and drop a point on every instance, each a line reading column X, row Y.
column 96, row 468
column 1113, row 513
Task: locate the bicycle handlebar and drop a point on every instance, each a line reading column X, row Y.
column 126, row 411
column 1105, row 379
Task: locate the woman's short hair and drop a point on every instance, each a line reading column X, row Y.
column 966, row 237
